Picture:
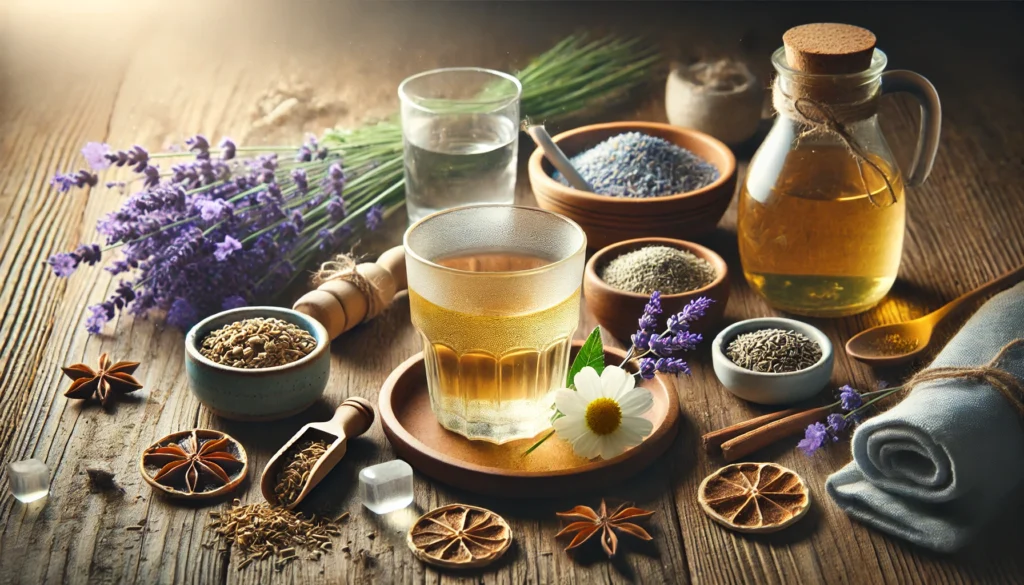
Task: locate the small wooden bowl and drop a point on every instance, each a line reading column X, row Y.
column 607, row 220
column 618, row 310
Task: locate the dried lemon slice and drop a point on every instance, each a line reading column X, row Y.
column 754, row 497
column 459, row 537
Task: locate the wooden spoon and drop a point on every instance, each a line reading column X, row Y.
column 351, row 419
column 869, row 345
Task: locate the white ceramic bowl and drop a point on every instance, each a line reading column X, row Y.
column 765, row 387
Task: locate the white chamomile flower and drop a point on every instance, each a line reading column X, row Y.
column 603, row 415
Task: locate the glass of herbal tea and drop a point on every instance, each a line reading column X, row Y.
column 495, row 292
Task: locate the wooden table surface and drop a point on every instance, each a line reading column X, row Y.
column 151, row 74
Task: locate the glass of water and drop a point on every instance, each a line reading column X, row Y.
column 461, row 135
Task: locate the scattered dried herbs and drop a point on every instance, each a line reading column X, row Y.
column 257, row 343
column 773, row 351
column 102, row 383
column 293, row 474
column 658, row 268
column 261, row 531
column 586, row 522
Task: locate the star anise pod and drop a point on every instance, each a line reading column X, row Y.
column 588, row 522
column 189, row 465
column 103, row 383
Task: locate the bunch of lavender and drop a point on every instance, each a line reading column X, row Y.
column 852, row 405
column 221, row 227
column 652, row 351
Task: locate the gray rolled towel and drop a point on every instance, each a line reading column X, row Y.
column 942, row 463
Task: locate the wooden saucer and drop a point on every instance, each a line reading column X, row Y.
column 501, row 470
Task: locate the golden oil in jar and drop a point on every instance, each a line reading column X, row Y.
column 811, row 240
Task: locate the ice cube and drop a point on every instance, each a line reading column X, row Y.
column 30, row 479
column 386, row 487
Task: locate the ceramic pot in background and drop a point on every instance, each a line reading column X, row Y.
column 259, row 394
column 618, row 311
column 731, row 112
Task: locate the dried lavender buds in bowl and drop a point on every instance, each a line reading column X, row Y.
column 772, row 360
column 283, row 362
column 635, row 164
column 257, row 343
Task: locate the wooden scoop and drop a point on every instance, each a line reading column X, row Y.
column 868, row 346
column 351, row 419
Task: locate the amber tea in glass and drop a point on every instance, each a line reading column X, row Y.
column 495, row 292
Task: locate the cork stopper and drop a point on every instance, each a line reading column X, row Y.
column 829, row 48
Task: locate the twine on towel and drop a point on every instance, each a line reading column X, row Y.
column 1005, row 383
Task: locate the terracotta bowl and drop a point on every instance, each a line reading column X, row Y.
column 607, row 220
column 618, row 310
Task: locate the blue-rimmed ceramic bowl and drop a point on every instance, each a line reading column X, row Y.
column 767, row 387
column 258, row 394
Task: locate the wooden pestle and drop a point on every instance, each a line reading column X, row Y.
column 339, row 305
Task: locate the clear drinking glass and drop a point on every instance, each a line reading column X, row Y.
column 461, row 135
column 495, row 292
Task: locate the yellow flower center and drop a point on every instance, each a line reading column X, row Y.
column 603, row 416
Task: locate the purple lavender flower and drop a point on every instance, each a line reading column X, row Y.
column 849, row 398
column 374, row 217
column 662, row 344
column 672, row 366
column 233, row 302
column 98, row 317
column 693, row 310
column 641, row 340
column 304, row 154
column 95, row 153
column 648, row 322
column 181, row 314
column 653, row 306
column 301, row 181
column 64, row 182
column 336, row 209
column 225, row 248
column 199, row 145
column 152, row 174
column 228, row 146
column 814, row 438
column 836, row 424
column 686, row 341
column 63, row 264
column 647, row 368
column 89, row 253
column 213, row 210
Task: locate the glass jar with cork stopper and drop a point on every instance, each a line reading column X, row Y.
column 822, row 210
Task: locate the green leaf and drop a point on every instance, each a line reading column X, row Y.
column 591, row 354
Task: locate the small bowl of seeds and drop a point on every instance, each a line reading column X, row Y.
column 258, row 363
column 648, row 179
column 620, row 278
column 772, row 360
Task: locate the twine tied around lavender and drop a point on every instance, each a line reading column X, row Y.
column 343, row 267
column 819, row 117
column 1010, row 386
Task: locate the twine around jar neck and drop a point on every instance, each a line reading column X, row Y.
column 834, row 119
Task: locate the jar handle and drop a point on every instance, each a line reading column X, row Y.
column 931, row 119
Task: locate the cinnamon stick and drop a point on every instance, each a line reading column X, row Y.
column 713, row 440
column 763, row 436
